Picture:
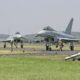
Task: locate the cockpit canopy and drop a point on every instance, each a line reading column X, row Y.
column 48, row 28
column 17, row 33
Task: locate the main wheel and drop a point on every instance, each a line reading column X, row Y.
column 4, row 45
column 22, row 46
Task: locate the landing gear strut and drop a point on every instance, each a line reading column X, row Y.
column 71, row 46
column 11, row 46
column 48, row 44
column 57, row 44
column 15, row 43
column 48, row 47
column 61, row 46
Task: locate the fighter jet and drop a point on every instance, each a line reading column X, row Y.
column 52, row 36
column 14, row 40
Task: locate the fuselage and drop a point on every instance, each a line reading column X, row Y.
column 17, row 37
column 53, row 34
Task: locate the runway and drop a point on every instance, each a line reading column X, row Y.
column 36, row 50
column 41, row 53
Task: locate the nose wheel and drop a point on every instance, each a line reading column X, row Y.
column 21, row 44
column 4, row 45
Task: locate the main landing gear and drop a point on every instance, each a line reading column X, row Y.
column 48, row 47
column 61, row 45
column 71, row 46
column 21, row 44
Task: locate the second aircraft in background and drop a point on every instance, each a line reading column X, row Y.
column 14, row 40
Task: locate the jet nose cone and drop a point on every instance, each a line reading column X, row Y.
column 19, row 36
column 41, row 32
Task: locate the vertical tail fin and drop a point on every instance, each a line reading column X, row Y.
column 69, row 27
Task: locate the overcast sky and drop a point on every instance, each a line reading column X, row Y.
column 30, row 16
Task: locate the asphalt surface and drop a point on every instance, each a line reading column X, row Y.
column 36, row 52
column 41, row 53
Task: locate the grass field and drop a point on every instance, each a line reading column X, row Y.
column 38, row 68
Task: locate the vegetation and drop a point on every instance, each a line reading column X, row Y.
column 38, row 68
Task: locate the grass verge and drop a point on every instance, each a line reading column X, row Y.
column 38, row 68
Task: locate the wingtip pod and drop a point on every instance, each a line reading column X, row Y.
column 69, row 27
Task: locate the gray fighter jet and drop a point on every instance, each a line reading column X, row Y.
column 52, row 36
column 14, row 40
